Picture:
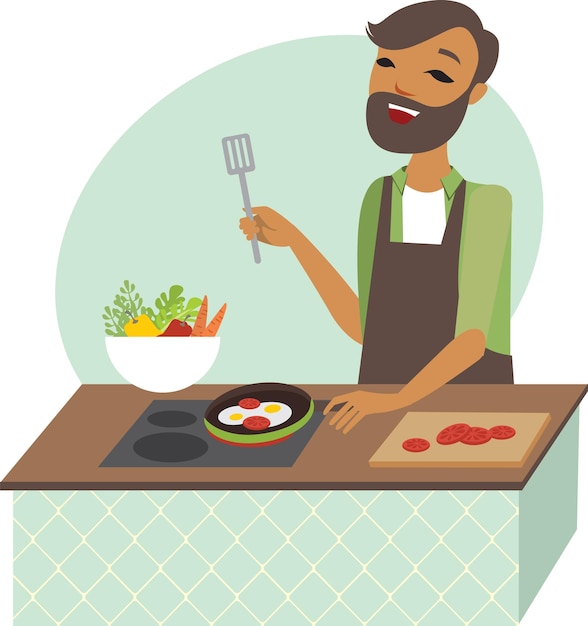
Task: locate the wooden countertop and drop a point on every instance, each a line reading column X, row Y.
column 69, row 451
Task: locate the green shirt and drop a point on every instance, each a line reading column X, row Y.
column 484, row 257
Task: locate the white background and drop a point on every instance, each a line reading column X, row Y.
column 76, row 75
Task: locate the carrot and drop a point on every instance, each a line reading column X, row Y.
column 200, row 323
column 215, row 322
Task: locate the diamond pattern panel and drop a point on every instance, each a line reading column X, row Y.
column 304, row 558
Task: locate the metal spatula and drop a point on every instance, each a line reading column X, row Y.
column 239, row 160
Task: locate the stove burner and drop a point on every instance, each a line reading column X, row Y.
column 172, row 419
column 170, row 447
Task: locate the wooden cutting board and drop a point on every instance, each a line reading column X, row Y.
column 495, row 453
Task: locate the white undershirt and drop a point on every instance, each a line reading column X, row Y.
column 423, row 216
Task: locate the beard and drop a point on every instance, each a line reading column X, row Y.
column 431, row 128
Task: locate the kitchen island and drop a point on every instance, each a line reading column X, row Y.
column 329, row 540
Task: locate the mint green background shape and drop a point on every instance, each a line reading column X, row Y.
column 160, row 209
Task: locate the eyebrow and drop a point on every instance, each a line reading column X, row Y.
column 450, row 54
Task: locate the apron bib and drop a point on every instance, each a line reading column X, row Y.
column 412, row 305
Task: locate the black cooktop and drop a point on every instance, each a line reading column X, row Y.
column 171, row 433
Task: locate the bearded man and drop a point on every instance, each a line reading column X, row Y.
column 433, row 303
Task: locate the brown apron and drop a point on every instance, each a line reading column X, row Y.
column 412, row 305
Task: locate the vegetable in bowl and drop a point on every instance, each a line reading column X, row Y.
column 171, row 315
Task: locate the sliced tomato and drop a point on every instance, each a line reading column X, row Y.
column 416, row 444
column 452, row 434
column 249, row 403
column 476, row 435
column 256, row 422
column 502, row 431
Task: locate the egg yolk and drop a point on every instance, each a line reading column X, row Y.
column 236, row 416
column 272, row 408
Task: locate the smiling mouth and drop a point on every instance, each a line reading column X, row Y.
column 401, row 115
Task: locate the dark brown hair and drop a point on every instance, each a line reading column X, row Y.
column 418, row 22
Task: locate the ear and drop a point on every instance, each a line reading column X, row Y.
column 477, row 92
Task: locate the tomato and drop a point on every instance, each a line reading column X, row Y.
column 416, row 444
column 256, row 422
column 249, row 403
column 502, row 431
column 452, row 434
column 476, row 435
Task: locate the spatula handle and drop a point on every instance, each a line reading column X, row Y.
column 247, row 206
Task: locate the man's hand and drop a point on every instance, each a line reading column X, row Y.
column 459, row 354
column 269, row 226
column 358, row 404
column 274, row 229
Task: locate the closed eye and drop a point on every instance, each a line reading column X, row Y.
column 384, row 62
column 440, row 76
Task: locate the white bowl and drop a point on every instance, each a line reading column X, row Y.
column 162, row 364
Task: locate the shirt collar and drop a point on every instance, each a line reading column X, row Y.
column 450, row 182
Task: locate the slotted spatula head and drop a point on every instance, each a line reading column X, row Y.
column 239, row 160
column 238, row 154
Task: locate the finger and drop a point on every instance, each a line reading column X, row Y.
column 350, row 417
column 334, row 402
column 353, row 422
column 343, row 416
column 253, row 225
column 245, row 222
column 340, row 414
column 249, row 234
column 250, row 229
column 260, row 210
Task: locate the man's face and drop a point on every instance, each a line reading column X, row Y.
column 418, row 96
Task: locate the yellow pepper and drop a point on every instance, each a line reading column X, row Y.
column 140, row 326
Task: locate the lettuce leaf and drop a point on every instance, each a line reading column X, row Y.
column 172, row 305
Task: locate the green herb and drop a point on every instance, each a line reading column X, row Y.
column 113, row 322
column 115, row 318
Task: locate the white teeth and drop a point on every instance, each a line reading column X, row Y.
column 397, row 107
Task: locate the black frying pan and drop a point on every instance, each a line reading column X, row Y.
column 297, row 399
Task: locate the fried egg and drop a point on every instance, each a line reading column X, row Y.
column 276, row 412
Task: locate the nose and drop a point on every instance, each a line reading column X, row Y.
column 401, row 91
